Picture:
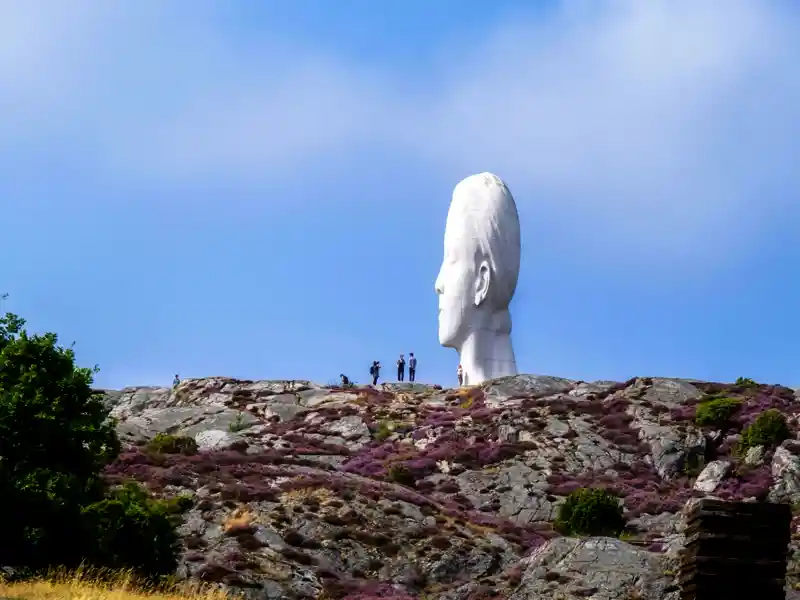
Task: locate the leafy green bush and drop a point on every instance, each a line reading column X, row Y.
column 717, row 412
column 769, row 429
column 55, row 440
column 590, row 511
column 165, row 443
column 130, row 530
column 745, row 382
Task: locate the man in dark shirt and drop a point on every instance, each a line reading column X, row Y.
column 375, row 371
column 401, row 368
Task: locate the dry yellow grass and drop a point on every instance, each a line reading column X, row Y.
column 85, row 586
column 240, row 519
column 298, row 496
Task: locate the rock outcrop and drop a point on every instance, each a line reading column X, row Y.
column 410, row 491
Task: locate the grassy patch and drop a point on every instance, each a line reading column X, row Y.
column 385, row 429
column 99, row 585
column 165, row 443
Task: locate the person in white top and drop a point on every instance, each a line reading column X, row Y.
column 460, row 376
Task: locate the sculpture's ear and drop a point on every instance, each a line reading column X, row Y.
column 483, row 279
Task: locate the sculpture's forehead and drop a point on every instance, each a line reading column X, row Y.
column 461, row 241
column 474, row 199
column 459, row 233
column 478, row 195
column 478, row 201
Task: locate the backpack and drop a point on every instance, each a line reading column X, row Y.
column 372, row 370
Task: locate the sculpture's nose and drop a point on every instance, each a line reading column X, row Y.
column 438, row 285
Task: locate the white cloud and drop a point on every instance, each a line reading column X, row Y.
column 658, row 120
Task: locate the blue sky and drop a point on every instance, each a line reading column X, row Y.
column 259, row 189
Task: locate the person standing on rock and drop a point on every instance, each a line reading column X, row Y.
column 460, row 376
column 375, row 371
column 412, row 367
column 401, row 368
column 176, row 381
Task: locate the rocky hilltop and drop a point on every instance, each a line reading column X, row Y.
column 410, row 491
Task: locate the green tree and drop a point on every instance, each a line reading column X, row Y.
column 54, row 441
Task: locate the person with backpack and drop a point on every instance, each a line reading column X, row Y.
column 412, row 367
column 345, row 380
column 375, row 371
column 401, row 368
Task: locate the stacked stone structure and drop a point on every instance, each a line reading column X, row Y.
column 735, row 550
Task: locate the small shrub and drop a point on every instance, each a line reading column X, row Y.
column 769, row 429
column 590, row 511
column 385, row 429
column 178, row 504
column 745, row 382
column 717, row 412
column 165, row 443
column 401, row 474
column 238, row 423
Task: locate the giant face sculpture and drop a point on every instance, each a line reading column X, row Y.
column 480, row 269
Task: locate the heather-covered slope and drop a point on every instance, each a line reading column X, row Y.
column 304, row 491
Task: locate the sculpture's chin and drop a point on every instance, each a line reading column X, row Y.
column 446, row 338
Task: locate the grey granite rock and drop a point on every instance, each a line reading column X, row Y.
column 712, row 475
column 521, row 385
column 754, row 456
column 446, row 494
column 785, row 469
column 599, row 568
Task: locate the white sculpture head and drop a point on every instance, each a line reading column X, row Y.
column 479, row 273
